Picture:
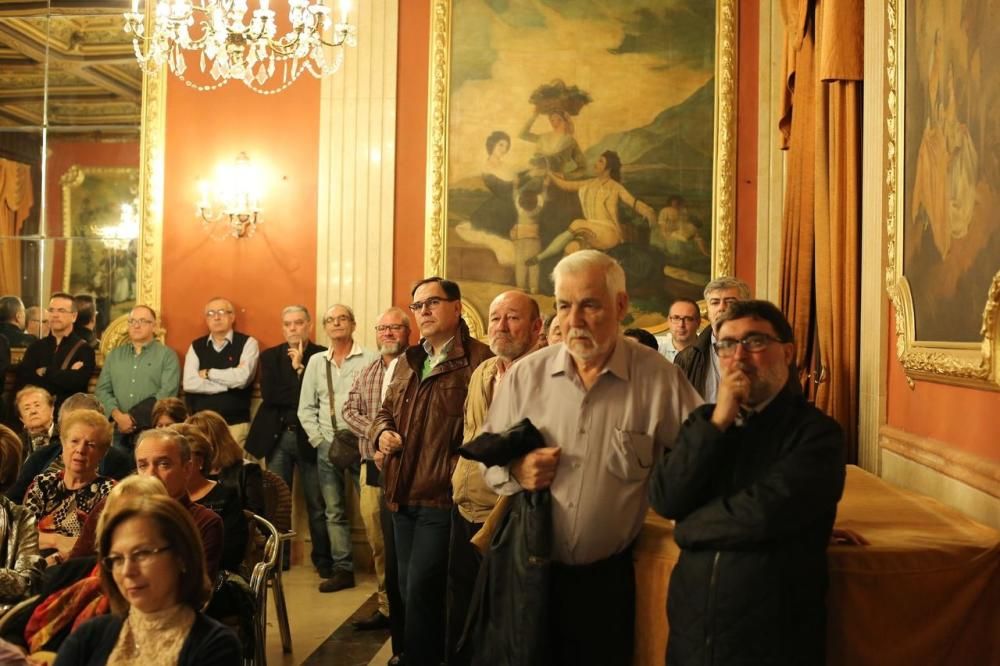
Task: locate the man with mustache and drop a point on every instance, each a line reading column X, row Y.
column 514, row 326
column 606, row 409
column 753, row 483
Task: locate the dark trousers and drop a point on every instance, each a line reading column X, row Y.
column 422, row 557
column 463, row 568
column 282, row 461
column 397, row 610
column 592, row 612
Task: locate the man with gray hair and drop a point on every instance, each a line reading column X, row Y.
column 700, row 362
column 219, row 369
column 276, row 434
column 13, row 319
column 325, row 386
column 393, row 333
column 606, row 409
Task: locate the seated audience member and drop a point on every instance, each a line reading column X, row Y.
column 543, row 336
column 165, row 454
column 229, row 465
column 36, row 409
column 753, row 482
column 20, row 561
column 153, row 570
column 553, row 333
column 168, row 411
column 48, row 458
column 643, row 337
column 220, row 498
column 60, row 500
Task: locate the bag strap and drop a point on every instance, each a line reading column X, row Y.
column 329, row 390
column 72, row 350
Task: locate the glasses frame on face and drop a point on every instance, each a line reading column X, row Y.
column 433, row 302
column 212, row 314
column 337, row 320
column 141, row 557
column 65, row 311
column 384, row 328
column 752, row 343
column 678, row 319
column 140, row 322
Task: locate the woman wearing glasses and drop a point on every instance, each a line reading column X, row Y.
column 61, row 499
column 153, row 572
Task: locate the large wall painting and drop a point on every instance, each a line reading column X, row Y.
column 944, row 151
column 558, row 125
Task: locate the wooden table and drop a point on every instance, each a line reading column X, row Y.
column 925, row 591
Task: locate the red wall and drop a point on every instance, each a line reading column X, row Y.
column 277, row 266
column 411, row 144
column 965, row 418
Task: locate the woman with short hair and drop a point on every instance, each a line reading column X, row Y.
column 168, row 411
column 229, row 466
column 61, row 499
column 20, row 561
column 153, row 571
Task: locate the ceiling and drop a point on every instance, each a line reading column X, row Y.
column 92, row 79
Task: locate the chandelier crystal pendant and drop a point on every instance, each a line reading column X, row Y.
column 232, row 46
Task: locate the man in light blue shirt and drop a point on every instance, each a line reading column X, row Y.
column 336, row 368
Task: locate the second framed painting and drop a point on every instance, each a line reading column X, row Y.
column 562, row 125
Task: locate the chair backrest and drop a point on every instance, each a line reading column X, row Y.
column 277, row 501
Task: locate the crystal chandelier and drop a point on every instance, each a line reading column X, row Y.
column 231, row 47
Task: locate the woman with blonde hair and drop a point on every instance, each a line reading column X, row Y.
column 229, row 466
column 60, row 500
column 153, row 572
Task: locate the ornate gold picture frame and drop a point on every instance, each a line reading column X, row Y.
column 942, row 189
column 499, row 159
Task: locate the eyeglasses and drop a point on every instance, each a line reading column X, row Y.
column 677, row 319
column 58, row 311
column 753, row 343
column 340, row 319
column 385, row 328
column 140, row 322
column 217, row 313
column 140, row 557
column 432, row 303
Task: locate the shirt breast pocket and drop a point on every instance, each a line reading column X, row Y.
column 630, row 456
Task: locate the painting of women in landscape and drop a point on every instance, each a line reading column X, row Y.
column 575, row 125
column 952, row 165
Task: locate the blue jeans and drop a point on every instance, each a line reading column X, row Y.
column 421, row 535
column 334, row 489
column 282, row 462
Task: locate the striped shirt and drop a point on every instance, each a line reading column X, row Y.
column 363, row 402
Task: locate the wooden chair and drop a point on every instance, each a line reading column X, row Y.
column 278, row 511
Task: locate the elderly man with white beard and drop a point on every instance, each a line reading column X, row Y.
column 514, row 326
column 606, row 409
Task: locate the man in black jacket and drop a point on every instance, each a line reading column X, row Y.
column 276, row 433
column 753, row 483
column 61, row 363
column 699, row 361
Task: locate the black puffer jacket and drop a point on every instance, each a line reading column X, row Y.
column 754, row 508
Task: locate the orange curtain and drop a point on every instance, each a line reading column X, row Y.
column 821, row 128
column 16, row 200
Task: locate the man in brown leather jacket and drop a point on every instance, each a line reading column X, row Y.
column 419, row 429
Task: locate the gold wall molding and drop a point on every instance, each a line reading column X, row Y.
column 724, row 164
column 965, row 364
column 979, row 473
column 152, row 145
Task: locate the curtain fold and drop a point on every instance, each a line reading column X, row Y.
column 16, row 200
column 821, row 126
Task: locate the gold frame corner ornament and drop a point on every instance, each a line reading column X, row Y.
column 959, row 363
column 724, row 164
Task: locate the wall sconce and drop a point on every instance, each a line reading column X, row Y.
column 233, row 198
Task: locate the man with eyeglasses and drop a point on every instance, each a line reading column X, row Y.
column 753, row 482
column 135, row 376
column 699, row 361
column 419, row 429
column 276, row 434
column 683, row 319
column 392, row 331
column 335, row 369
column 62, row 362
column 219, row 369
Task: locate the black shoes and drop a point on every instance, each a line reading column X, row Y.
column 325, row 573
column 397, row 660
column 375, row 621
column 340, row 580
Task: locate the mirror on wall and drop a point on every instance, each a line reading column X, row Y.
column 70, row 138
